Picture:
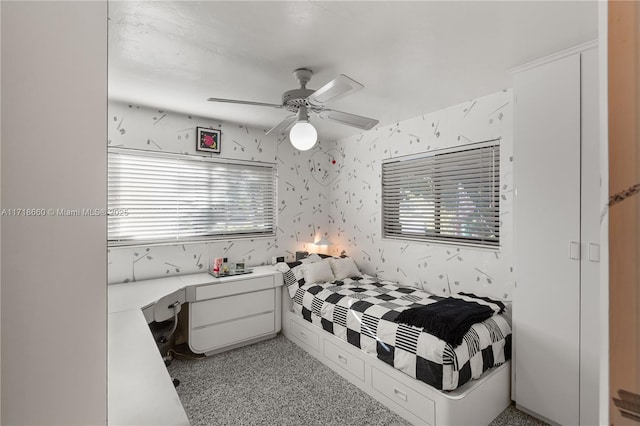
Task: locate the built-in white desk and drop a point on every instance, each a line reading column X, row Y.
column 140, row 390
column 141, row 294
column 141, row 393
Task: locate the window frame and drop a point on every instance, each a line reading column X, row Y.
column 451, row 240
column 177, row 239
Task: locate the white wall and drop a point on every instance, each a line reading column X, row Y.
column 355, row 200
column 303, row 201
column 54, row 61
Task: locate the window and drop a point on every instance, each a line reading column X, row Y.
column 446, row 196
column 157, row 197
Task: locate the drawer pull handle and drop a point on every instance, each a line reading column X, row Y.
column 400, row 394
column 342, row 359
column 303, row 334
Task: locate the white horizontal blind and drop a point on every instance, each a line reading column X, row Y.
column 156, row 198
column 448, row 196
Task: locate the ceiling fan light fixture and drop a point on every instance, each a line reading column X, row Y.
column 303, row 135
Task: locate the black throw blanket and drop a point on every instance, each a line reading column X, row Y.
column 448, row 319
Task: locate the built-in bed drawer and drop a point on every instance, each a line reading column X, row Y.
column 310, row 338
column 345, row 360
column 403, row 395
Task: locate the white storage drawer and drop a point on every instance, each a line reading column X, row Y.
column 230, row 308
column 308, row 337
column 215, row 336
column 403, row 395
column 229, row 287
column 232, row 311
column 347, row 361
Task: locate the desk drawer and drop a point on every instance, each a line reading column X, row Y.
column 403, row 395
column 309, row 338
column 232, row 307
column 227, row 288
column 345, row 360
column 216, row 336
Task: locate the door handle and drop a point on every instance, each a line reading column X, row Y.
column 594, row 252
column 574, row 250
column 400, row 394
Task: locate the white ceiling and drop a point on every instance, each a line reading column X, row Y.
column 413, row 57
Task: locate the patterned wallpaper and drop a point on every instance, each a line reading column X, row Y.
column 303, row 197
column 333, row 190
column 355, row 214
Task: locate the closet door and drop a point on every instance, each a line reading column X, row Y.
column 590, row 235
column 546, row 310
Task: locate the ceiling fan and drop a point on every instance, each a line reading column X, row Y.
column 302, row 101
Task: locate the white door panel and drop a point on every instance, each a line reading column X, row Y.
column 547, row 219
column 590, row 234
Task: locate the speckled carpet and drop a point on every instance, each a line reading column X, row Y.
column 277, row 383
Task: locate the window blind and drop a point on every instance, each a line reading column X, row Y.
column 156, row 197
column 447, row 196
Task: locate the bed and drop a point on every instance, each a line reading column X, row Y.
column 349, row 320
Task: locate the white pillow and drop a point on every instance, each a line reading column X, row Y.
column 318, row 272
column 312, row 258
column 344, row 268
column 282, row 267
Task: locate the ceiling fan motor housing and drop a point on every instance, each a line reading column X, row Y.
column 294, row 99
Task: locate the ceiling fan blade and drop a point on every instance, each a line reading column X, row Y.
column 352, row 120
column 335, row 89
column 233, row 101
column 282, row 126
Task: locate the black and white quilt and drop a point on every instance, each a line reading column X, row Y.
column 362, row 310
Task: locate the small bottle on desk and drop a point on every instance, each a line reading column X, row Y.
column 217, row 263
column 224, row 270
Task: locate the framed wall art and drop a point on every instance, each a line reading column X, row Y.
column 208, row 140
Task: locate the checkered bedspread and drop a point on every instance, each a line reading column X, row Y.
column 361, row 311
